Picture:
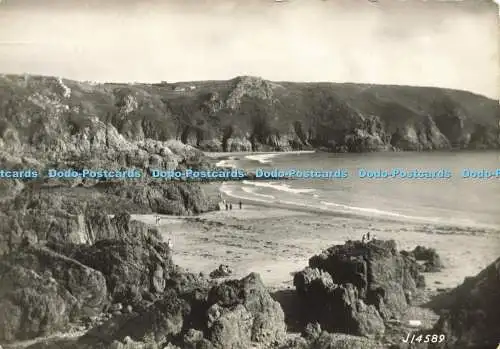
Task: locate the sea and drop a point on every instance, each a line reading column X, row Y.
column 455, row 201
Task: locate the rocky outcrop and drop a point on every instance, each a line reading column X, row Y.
column 472, row 317
column 243, row 311
column 131, row 268
column 159, row 323
column 222, row 271
column 82, row 215
column 131, row 125
column 31, row 304
column 354, row 288
column 86, row 285
column 235, row 314
column 430, row 258
column 165, row 198
column 336, row 307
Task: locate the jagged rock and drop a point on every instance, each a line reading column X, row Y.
column 230, row 328
column 193, row 339
column 31, row 306
column 429, row 256
column 247, row 299
column 165, row 198
column 128, row 266
column 86, row 285
column 159, row 323
column 473, row 316
column 222, row 271
column 335, row 307
column 377, row 270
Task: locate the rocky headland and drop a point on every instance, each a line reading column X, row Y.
column 131, row 122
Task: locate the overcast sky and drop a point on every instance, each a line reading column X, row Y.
column 414, row 42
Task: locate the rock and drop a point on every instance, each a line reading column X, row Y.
column 335, row 307
column 159, row 323
column 115, row 307
column 193, row 339
column 236, row 298
column 429, row 256
column 222, row 271
column 325, row 340
column 158, row 280
column 31, row 306
column 312, row 331
column 87, row 285
column 472, row 315
column 128, row 266
column 230, row 328
column 376, row 269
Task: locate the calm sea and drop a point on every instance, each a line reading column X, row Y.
column 455, row 201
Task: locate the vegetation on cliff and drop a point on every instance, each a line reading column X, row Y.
column 246, row 113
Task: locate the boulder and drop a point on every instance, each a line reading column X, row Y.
column 431, row 259
column 230, row 328
column 335, row 307
column 245, row 302
column 222, row 271
column 473, row 315
column 376, row 269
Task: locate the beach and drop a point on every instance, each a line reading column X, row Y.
column 283, row 223
column 276, row 242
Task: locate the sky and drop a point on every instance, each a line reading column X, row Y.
column 452, row 44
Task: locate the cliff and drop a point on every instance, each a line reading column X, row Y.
column 64, row 118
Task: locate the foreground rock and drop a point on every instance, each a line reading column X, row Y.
column 233, row 315
column 87, row 285
column 315, row 338
column 132, row 269
column 243, row 311
column 31, row 304
column 472, row 320
column 354, row 288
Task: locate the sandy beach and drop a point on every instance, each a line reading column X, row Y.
column 277, row 241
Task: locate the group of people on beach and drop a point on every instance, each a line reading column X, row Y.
column 366, row 237
column 229, row 205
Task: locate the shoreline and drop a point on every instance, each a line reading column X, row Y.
column 216, row 155
column 277, row 241
column 279, row 204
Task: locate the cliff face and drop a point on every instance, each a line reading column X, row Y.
column 63, row 117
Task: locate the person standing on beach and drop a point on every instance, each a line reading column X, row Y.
column 230, row 206
column 368, row 236
column 227, row 206
column 240, row 204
